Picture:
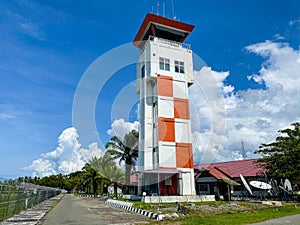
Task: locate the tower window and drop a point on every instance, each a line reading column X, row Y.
column 143, row 71
column 164, row 64
column 179, row 67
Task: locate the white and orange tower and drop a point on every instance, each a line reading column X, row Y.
column 164, row 73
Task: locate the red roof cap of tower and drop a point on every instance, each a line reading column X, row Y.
column 164, row 26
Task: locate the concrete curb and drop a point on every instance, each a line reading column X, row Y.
column 128, row 206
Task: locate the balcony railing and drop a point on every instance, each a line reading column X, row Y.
column 170, row 43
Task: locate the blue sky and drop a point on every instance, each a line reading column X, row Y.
column 250, row 48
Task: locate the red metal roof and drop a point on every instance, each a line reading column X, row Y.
column 216, row 173
column 232, row 169
column 155, row 19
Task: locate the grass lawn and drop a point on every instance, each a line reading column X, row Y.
column 11, row 203
column 221, row 212
column 237, row 218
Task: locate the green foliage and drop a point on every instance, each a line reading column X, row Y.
column 100, row 171
column 125, row 151
column 91, row 179
column 243, row 217
column 281, row 158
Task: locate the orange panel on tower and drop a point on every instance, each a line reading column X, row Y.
column 165, row 85
column 166, row 129
column 181, row 108
column 184, row 155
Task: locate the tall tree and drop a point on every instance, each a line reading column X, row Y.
column 281, row 158
column 125, row 151
column 104, row 172
column 100, row 171
column 90, row 175
column 114, row 174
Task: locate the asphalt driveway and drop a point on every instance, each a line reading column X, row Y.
column 72, row 210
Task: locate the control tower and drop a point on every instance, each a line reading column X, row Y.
column 164, row 73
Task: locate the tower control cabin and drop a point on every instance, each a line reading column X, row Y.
column 164, row 73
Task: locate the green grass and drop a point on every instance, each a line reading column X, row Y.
column 11, row 204
column 244, row 218
column 238, row 218
column 253, row 212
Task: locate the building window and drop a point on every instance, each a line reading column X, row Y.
column 164, row 64
column 204, row 189
column 143, row 71
column 168, row 181
column 179, row 67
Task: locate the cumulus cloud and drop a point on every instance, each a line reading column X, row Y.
column 120, row 127
column 68, row 157
column 252, row 116
column 42, row 167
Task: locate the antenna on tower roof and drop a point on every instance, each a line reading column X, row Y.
column 243, row 150
column 173, row 10
column 157, row 8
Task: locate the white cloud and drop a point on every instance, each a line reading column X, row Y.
column 4, row 116
column 66, row 158
column 42, row 167
column 292, row 22
column 91, row 152
column 252, row 116
column 31, row 29
column 119, row 127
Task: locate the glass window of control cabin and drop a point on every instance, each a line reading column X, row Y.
column 179, row 66
column 164, row 64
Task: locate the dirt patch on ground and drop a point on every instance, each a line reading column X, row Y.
column 214, row 209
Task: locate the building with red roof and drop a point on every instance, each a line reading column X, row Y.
column 232, row 169
column 220, row 178
column 223, row 177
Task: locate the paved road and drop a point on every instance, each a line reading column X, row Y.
column 72, row 210
column 293, row 220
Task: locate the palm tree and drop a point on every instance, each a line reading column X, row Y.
column 104, row 163
column 99, row 171
column 91, row 175
column 114, row 174
column 126, row 151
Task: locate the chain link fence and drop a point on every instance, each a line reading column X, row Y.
column 16, row 199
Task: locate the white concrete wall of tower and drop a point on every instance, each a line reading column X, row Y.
column 147, row 85
column 163, row 59
column 149, row 58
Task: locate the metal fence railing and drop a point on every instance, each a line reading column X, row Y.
column 16, row 199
